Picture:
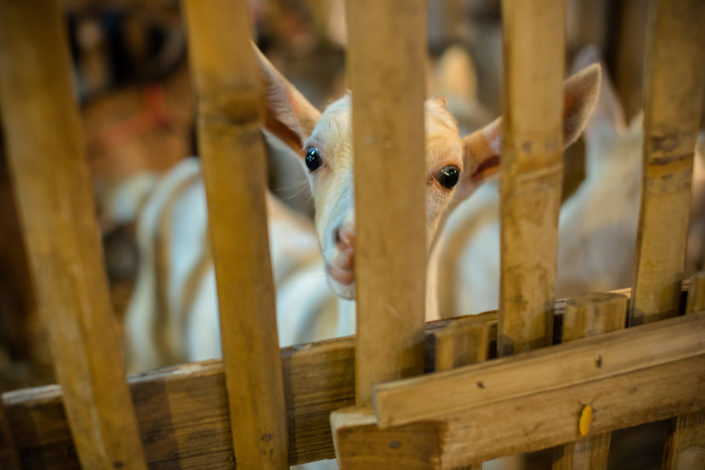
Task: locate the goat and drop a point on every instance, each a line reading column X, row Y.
column 456, row 167
column 172, row 315
column 597, row 226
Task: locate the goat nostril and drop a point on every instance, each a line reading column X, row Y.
column 344, row 239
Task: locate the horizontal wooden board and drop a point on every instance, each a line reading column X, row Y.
column 533, row 422
column 435, row 396
column 182, row 412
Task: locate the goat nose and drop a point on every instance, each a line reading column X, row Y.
column 344, row 239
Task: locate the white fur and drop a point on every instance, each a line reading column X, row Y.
column 597, row 228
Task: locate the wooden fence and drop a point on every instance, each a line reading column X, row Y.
column 266, row 408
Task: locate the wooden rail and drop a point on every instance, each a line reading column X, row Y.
column 685, row 447
column 675, row 78
column 8, row 451
column 585, row 316
column 229, row 129
column 388, row 142
column 184, row 420
column 532, row 171
column 54, row 194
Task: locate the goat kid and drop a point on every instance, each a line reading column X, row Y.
column 173, row 313
column 456, row 166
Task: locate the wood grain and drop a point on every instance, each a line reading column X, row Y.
column 232, row 149
column 587, row 316
column 536, row 421
column 53, row 191
column 441, row 394
column 388, row 141
column 532, row 171
column 685, row 445
column 674, row 84
column 183, row 413
column 462, row 343
column 8, row 452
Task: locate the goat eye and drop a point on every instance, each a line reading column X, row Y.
column 448, row 176
column 313, row 159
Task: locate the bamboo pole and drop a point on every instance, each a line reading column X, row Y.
column 532, row 171
column 386, row 60
column 685, row 446
column 53, row 191
column 675, row 79
column 585, row 316
column 223, row 66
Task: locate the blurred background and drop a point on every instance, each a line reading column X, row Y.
column 138, row 108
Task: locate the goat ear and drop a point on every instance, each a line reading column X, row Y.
column 288, row 114
column 580, row 93
column 608, row 117
column 482, row 148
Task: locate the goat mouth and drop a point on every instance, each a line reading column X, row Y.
column 343, row 276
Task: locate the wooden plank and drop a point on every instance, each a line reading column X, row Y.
column 685, row 446
column 390, row 258
column 8, row 452
column 540, row 420
column 462, row 343
column 388, row 139
column 232, row 148
column 675, row 80
column 53, row 191
column 586, row 316
column 630, row 36
column 532, row 171
column 582, row 361
column 183, row 414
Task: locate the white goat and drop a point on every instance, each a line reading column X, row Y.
column 456, row 167
column 173, row 314
column 598, row 223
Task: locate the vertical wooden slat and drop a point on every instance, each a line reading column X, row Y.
column 386, row 60
column 629, row 54
column 675, row 79
column 532, row 171
column 685, row 446
column 464, row 342
column 585, row 316
column 8, row 452
column 223, row 66
column 53, row 191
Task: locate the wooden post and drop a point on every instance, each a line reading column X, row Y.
column 386, row 60
column 223, row 66
column 685, row 447
column 629, row 55
column 53, row 191
column 584, row 316
column 532, row 171
column 675, row 79
column 463, row 342
column 8, row 452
